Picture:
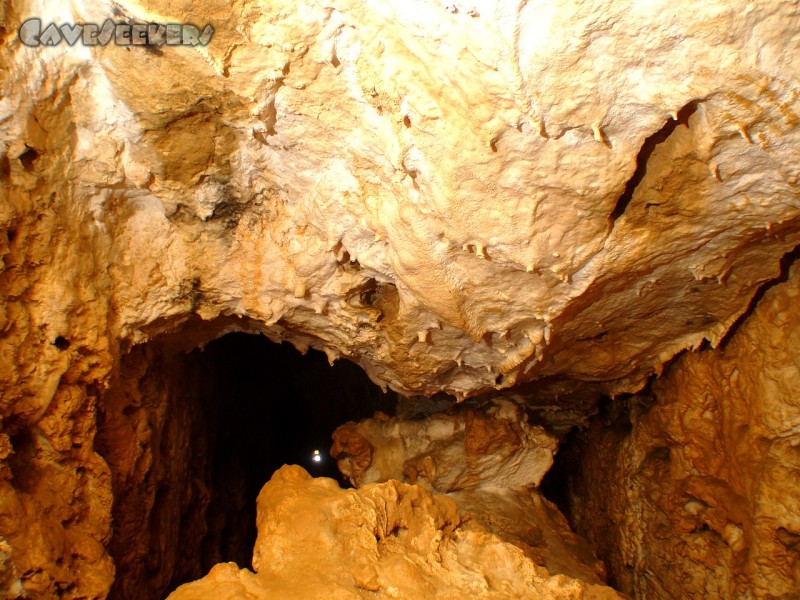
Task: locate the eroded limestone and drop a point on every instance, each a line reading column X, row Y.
column 465, row 448
column 389, row 540
column 700, row 499
column 438, row 193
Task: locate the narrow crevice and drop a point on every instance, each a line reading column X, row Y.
column 583, row 449
column 555, row 483
column 614, row 414
column 29, row 158
column 644, row 156
column 786, row 262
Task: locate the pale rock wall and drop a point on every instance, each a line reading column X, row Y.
column 700, row 499
column 371, row 181
column 388, row 540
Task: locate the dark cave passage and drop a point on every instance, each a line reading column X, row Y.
column 191, row 437
column 269, row 406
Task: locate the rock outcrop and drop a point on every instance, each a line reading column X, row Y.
column 527, row 520
column 486, row 457
column 389, row 540
column 465, row 448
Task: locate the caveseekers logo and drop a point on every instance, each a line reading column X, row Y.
column 123, row 34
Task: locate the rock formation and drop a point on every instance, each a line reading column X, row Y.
column 466, row 448
column 389, row 540
column 696, row 495
column 487, row 458
column 552, row 199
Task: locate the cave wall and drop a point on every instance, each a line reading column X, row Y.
column 190, row 435
column 696, row 495
column 454, row 216
column 154, row 432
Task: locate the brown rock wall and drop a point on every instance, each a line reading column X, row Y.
column 698, row 497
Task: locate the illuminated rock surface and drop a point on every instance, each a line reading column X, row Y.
column 701, row 498
column 465, row 448
column 387, row 540
column 458, row 197
column 453, row 215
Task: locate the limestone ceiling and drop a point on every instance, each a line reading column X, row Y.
column 458, row 197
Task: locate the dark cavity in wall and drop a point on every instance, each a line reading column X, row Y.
column 615, row 415
column 191, row 437
column 649, row 145
column 585, row 501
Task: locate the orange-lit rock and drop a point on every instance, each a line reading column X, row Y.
column 701, row 498
column 388, row 540
column 459, row 197
column 527, row 520
column 466, row 448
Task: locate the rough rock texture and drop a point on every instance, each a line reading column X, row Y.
column 153, row 434
column 370, row 181
column 527, row 520
column 387, row 540
column 464, row 448
column 458, row 197
column 488, row 459
column 700, row 499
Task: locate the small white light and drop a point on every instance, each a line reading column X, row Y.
column 316, row 457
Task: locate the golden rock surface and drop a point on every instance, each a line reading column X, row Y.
column 386, row 540
column 460, row 197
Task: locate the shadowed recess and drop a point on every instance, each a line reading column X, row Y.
column 192, row 437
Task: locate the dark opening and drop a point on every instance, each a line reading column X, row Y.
column 646, row 150
column 61, row 343
column 581, row 482
column 5, row 167
column 555, row 483
column 28, row 158
column 21, row 458
column 559, row 482
column 196, row 435
column 271, row 406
